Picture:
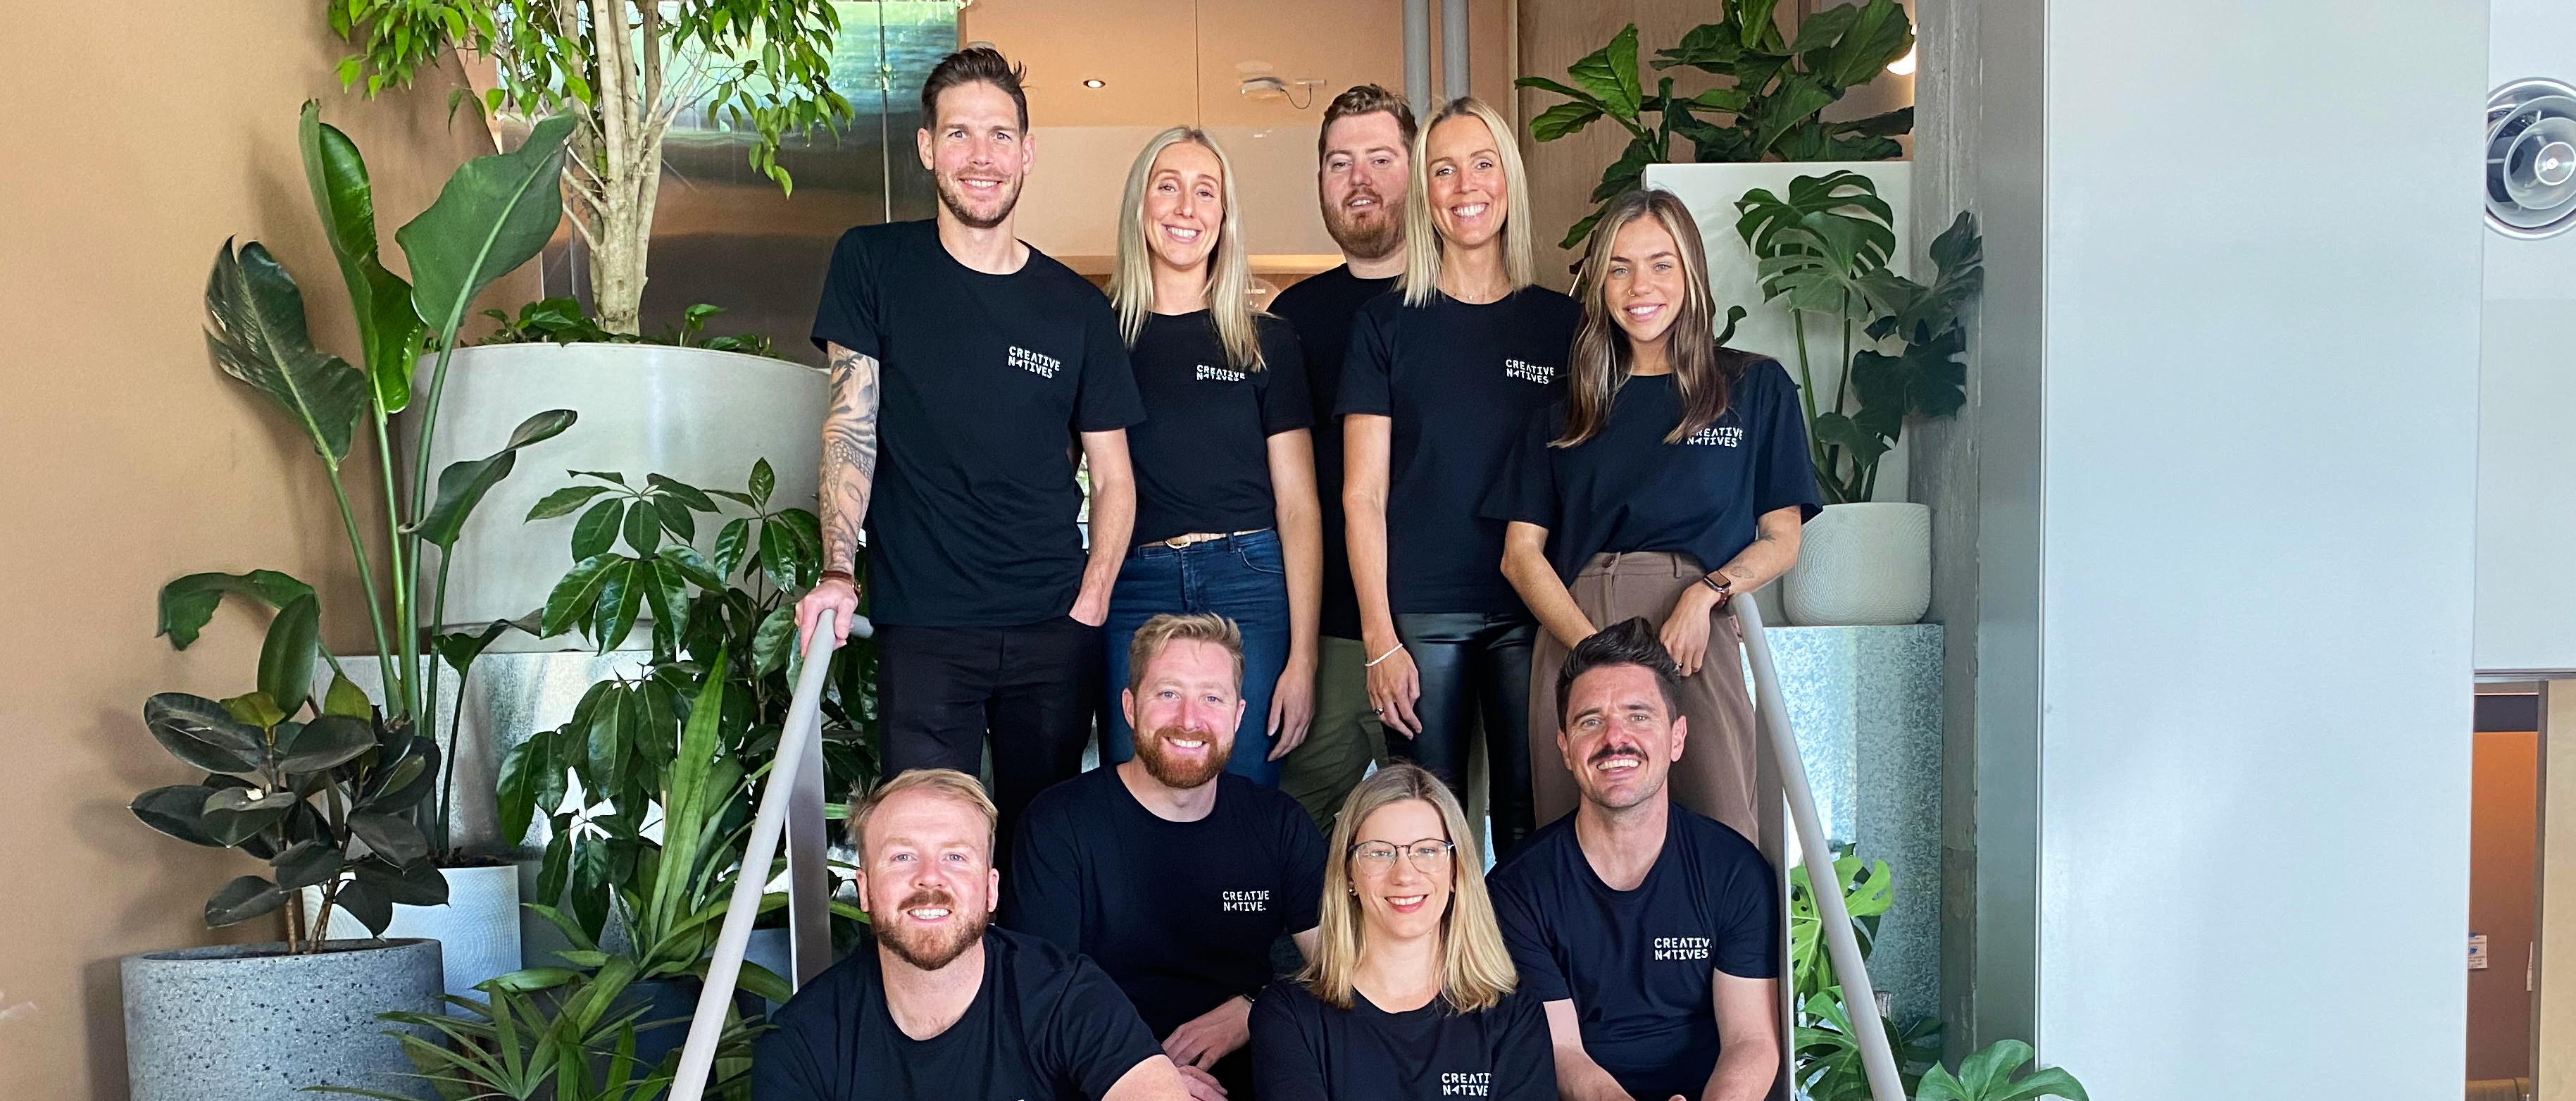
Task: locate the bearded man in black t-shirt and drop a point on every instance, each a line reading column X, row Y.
column 977, row 361
column 937, row 1006
column 1649, row 933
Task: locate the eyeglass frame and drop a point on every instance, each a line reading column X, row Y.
column 1448, row 854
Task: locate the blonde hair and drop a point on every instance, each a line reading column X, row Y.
column 1229, row 284
column 1422, row 239
column 1163, row 630
column 947, row 783
column 1475, row 968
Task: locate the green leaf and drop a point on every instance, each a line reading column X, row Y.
column 345, row 698
column 674, row 516
column 287, row 657
column 241, row 900
column 258, row 335
column 1610, row 74
column 177, row 810
column 414, row 882
column 684, row 561
column 574, row 596
column 1563, row 119
column 643, row 528
column 364, row 900
column 1799, row 99
column 667, row 593
column 462, row 485
column 200, row 732
column 621, row 601
column 595, row 533
column 522, row 770
column 778, row 555
column 683, row 492
column 493, row 215
column 187, row 603
column 563, row 501
column 389, row 329
column 328, row 742
column 763, row 480
column 771, row 644
column 391, row 836
column 306, row 864
column 730, row 544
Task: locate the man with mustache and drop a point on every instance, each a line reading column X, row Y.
column 1364, row 158
column 1648, row 932
column 939, row 1007
column 1175, row 875
column 975, row 361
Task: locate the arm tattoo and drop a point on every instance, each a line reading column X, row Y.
column 849, row 455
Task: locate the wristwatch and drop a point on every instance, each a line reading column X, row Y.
column 1723, row 589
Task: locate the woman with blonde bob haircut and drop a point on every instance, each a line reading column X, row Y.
column 1671, row 452
column 1439, row 380
column 1411, row 987
column 1227, row 518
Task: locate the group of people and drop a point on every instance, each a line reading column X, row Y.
column 1418, row 502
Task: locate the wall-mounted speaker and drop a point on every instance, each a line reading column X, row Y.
column 2531, row 158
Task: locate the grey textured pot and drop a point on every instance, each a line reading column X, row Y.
column 248, row 1023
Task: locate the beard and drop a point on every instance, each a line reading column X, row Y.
column 1369, row 234
column 956, row 201
column 928, row 949
column 1179, row 774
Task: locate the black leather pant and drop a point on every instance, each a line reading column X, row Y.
column 1475, row 669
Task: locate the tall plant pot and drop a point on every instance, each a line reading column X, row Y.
column 699, row 416
column 1861, row 565
column 478, row 929
column 249, row 1023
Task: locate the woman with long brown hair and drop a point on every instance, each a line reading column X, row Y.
column 1669, row 452
column 1411, row 987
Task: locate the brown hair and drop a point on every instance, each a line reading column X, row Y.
column 1630, row 641
column 948, row 783
column 1475, row 968
column 1364, row 99
column 1703, row 372
column 968, row 66
column 1166, row 629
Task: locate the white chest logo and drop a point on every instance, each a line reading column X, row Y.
column 1218, row 374
column 1723, row 436
column 1529, row 372
column 1681, row 948
column 1245, row 902
column 1035, row 363
column 1459, row 1083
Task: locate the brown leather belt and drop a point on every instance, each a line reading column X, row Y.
column 1178, row 541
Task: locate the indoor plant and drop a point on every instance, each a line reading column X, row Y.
column 493, row 215
column 1777, row 91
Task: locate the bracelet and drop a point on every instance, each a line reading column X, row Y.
column 1382, row 657
column 842, row 576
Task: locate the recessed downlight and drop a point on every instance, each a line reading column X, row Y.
column 1095, row 82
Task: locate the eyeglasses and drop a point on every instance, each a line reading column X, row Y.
column 1429, row 856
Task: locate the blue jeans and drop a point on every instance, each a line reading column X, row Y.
column 1240, row 577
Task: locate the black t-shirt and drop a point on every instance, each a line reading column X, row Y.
column 1322, row 308
column 985, row 381
column 1305, row 1050
column 1045, row 1026
column 1625, row 489
column 1181, row 915
column 1203, row 454
column 1639, row 964
column 1461, row 382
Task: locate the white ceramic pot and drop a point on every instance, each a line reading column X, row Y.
column 699, row 416
column 1861, row 565
column 478, row 929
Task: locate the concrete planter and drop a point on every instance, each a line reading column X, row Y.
column 696, row 415
column 250, row 1023
column 1861, row 565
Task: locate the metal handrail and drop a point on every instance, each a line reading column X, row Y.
column 1877, row 1058
column 791, row 801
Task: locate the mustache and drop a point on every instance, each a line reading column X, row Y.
column 1363, row 193
column 1608, row 754
column 928, row 897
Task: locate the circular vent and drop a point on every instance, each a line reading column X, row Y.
column 2531, row 158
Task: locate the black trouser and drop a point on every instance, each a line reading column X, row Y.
column 1475, row 669
column 941, row 689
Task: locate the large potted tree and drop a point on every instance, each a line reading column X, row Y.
column 623, row 71
column 494, row 214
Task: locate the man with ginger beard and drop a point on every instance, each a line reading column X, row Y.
column 1364, row 158
column 1646, row 931
column 1175, row 875
column 937, row 1006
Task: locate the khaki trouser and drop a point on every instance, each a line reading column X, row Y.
column 1344, row 740
column 1716, row 773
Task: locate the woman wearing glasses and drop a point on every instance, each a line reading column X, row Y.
column 1409, row 993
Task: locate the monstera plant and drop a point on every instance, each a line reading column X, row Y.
column 366, row 769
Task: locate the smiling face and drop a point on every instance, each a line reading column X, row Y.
column 1362, row 179
column 1184, row 709
column 926, row 873
column 1399, row 900
column 1620, row 738
column 1184, row 205
column 1465, row 183
column 977, row 153
column 1644, row 283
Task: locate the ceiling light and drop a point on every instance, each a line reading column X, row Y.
column 1094, row 82
column 1903, row 66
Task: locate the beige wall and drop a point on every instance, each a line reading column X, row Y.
column 148, row 133
column 2504, row 831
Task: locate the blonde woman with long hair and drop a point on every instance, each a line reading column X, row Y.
column 1411, row 988
column 1227, row 520
column 1440, row 379
column 1670, row 454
